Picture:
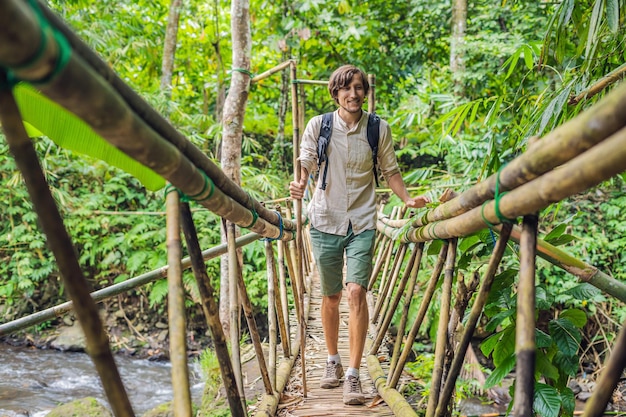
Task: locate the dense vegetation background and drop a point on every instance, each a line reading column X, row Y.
column 515, row 66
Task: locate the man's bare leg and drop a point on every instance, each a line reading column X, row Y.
column 330, row 324
column 357, row 323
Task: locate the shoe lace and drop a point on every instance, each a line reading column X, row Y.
column 353, row 384
column 331, row 369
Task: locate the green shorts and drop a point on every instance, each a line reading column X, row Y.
column 328, row 250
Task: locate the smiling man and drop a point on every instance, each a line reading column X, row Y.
column 343, row 217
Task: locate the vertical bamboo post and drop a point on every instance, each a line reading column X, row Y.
column 385, row 294
column 290, row 256
column 249, row 315
column 211, row 312
column 410, row 271
column 394, row 376
column 371, row 95
column 385, row 269
column 176, row 309
column 381, row 257
column 525, row 328
column 405, row 309
column 61, row 246
column 610, row 377
column 233, row 283
column 282, row 279
column 272, row 310
column 298, row 210
column 472, row 321
column 442, row 333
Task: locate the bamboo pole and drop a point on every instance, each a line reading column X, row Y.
column 609, row 378
column 525, row 328
column 272, row 319
column 298, row 210
column 409, row 272
column 272, row 71
column 115, row 289
column 283, row 297
column 394, row 400
column 176, row 310
column 579, row 174
column 396, row 371
column 386, row 293
column 394, row 375
column 567, row 141
column 211, row 312
column 269, row 403
column 442, row 343
column 472, row 321
column 161, row 125
column 252, row 327
column 79, row 88
column 61, row 245
column 610, row 78
column 277, row 310
column 383, row 254
column 371, row 95
column 310, row 82
column 576, row 267
column 235, row 312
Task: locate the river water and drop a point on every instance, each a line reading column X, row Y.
column 33, row 381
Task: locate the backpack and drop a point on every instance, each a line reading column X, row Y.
column 326, row 130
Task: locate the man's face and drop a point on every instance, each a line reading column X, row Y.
column 351, row 97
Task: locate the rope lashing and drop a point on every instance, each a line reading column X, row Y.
column 243, row 71
column 255, row 215
column 280, row 228
column 208, row 185
column 64, row 53
column 497, row 197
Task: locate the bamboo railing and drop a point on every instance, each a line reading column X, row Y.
column 560, row 165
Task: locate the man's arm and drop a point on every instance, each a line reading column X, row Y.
column 399, row 188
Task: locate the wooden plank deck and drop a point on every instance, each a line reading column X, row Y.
column 326, row 402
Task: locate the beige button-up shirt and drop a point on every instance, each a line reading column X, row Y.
column 349, row 196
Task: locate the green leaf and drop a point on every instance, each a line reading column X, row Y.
column 528, row 56
column 544, row 367
column 576, row 316
column 487, row 346
column 568, row 401
column 556, row 232
column 612, row 15
column 501, row 371
column 546, row 401
column 506, row 346
column 542, row 339
column 567, row 364
column 584, row 291
column 565, row 335
column 434, row 248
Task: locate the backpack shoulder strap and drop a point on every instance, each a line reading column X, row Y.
column 373, row 136
column 323, row 140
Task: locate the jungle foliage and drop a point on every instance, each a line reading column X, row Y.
column 524, row 61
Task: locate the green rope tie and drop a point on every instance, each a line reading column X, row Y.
column 431, row 231
column 243, row 71
column 404, row 231
column 208, row 185
column 64, row 54
column 424, row 218
column 497, row 197
column 482, row 214
column 255, row 215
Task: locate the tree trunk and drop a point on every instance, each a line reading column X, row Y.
column 232, row 120
column 169, row 47
column 457, row 40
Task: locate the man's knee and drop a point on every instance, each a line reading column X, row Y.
column 356, row 293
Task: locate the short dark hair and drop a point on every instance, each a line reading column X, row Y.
column 342, row 77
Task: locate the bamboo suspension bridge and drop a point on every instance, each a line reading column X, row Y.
column 38, row 49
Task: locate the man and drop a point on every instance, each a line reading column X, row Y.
column 343, row 217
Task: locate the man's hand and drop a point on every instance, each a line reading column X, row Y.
column 417, row 202
column 296, row 189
